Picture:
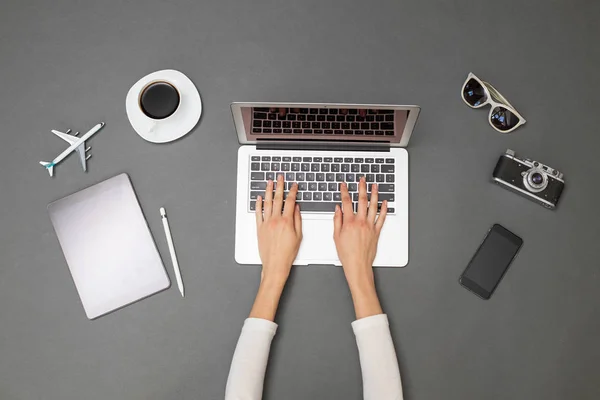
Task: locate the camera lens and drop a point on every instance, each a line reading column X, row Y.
column 537, row 178
column 535, row 181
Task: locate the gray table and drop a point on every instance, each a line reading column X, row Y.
column 70, row 64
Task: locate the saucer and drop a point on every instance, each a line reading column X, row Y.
column 176, row 125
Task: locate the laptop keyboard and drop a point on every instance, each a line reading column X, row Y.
column 319, row 179
column 323, row 121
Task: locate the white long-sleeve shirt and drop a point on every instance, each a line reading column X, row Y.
column 378, row 362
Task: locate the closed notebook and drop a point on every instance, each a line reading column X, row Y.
column 107, row 245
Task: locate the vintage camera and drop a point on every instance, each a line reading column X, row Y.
column 529, row 178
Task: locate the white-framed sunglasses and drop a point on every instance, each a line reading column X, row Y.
column 503, row 116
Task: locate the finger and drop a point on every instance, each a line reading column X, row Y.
column 290, row 201
column 337, row 221
column 258, row 212
column 269, row 200
column 381, row 218
column 278, row 201
column 297, row 220
column 372, row 214
column 346, row 202
column 362, row 113
column 362, row 198
column 282, row 112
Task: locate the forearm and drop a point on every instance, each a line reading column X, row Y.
column 251, row 355
column 379, row 365
column 267, row 299
column 247, row 373
column 378, row 362
column 364, row 295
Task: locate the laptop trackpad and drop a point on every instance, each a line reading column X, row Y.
column 317, row 245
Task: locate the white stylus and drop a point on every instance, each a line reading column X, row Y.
column 163, row 214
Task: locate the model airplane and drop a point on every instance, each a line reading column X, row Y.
column 76, row 144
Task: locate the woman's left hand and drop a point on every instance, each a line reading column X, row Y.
column 279, row 230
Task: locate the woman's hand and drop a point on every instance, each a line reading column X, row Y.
column 279, row 231
column 356, row 237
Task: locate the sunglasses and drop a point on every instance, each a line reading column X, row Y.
column 503, row 116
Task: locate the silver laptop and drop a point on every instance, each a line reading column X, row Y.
column 108, row 246
column 320, row 145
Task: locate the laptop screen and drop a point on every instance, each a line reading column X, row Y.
column 326, row 122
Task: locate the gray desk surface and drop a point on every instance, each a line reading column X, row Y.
column 70, row 64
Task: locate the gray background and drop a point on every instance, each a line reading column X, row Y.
column 70, row 64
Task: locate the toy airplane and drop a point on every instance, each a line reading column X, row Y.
column 76, row 144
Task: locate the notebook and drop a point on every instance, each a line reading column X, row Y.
column 108, row 247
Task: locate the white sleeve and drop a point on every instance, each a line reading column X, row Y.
column 378, row 362
column 247, row 373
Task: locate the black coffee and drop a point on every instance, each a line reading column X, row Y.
column 159, row 100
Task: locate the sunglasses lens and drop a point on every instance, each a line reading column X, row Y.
column 473, row 93
column 503, row 119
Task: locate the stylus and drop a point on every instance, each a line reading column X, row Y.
column 163, row 214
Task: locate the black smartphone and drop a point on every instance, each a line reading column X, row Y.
column 490, row 262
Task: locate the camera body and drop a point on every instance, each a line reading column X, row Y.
column 529, row 178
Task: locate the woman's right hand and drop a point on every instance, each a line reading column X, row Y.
column 356, row 237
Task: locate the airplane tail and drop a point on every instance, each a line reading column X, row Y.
column 49, row 167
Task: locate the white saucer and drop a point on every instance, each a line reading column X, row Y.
column 179, row 123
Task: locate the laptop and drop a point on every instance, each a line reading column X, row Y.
column 320, row 145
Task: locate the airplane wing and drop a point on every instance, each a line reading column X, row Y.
column 65, row 136
column 81, row 151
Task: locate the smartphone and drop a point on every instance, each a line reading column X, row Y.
column 490, row 262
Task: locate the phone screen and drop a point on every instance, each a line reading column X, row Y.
column 491, row 261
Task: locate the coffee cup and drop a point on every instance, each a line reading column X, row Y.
column 159, row 100
column 163, row 106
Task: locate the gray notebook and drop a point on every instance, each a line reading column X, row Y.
column 108, row 246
